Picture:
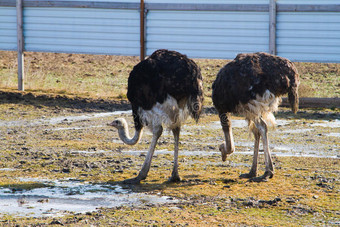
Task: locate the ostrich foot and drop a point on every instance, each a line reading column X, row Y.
column 263, row 178
column 135, row 180
column 248, row 175
column 174, row 179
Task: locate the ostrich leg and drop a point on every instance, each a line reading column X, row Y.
column 253, row 169
column 157, row 132
column 269, row 172
column 174, row 176
column 227, row 147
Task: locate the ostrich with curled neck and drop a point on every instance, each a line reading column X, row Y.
column 164, row 90
column 252, row 85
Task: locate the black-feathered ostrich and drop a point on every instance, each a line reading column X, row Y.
column 252, row 85
column 164, row 90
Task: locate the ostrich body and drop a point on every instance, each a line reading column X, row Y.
column 252, row 85
column 164, row 90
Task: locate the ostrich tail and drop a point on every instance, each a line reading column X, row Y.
column 136, row 118
column 137, row 121
column 293, row 98
column 195, row 107
column 294, row 81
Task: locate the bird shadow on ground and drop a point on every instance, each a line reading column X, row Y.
column 312, row 114
column 100, row 105
column 63, row 101
column 186, row 181
column 156, row 185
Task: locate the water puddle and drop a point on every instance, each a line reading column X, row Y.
column 234, row 164
column 7, row 169
column 64, row 196
column 335, row 134
column 282, row 122
column 58, row 120
column 289, row 154
column 277, row 150
column 290, row 150
column 235, row 123
column 90, row 152
column 165, row 151
column 301, row 130
column 166, row 132
column 327, row 124
column 76, row 128
column 63, row 119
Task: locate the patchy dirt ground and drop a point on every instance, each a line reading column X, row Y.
column 106, row 76
column 47, row 139
column 61, row 165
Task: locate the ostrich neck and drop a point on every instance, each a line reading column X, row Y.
column 125, row 136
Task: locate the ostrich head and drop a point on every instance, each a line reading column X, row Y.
column 119, row 123
column 123, row 131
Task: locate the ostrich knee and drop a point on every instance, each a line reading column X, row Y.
column 228, row 146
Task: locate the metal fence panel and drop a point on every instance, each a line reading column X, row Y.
column 76, row 30
column 309, row 36
column 87, row 26
column 307, row 2
column 207, row 34
column 8, row 28
column 210, row 1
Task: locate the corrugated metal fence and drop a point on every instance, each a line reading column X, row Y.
column 299, row 30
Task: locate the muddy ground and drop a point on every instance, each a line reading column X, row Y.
column 46, row 139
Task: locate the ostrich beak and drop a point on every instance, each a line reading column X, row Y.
column 111, row 124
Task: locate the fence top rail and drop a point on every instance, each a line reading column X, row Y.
column 208, row 7
column 74, row 4
column 308, row 8
column 177, row 6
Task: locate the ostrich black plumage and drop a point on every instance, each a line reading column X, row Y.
column 164, row 90
column 252, row 85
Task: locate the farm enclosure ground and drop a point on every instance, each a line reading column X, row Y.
column 63, row 136
column 69, row 140
column 101, row 76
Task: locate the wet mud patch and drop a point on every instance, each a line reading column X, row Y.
column 66, row 142
column 60, row 197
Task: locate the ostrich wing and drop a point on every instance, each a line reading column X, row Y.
column 165, row 73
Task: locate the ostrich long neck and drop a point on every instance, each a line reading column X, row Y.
column 125, row 136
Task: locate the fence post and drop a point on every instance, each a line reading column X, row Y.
column 142, row 30
column 272, row 27
column 20, row 42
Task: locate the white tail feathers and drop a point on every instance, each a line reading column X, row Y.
column 168, row 114
column 262, row 106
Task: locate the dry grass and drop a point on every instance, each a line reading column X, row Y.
column 84, row 75
column 101, row 76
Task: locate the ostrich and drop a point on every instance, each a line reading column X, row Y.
column 252, row 85
column 164, row 90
